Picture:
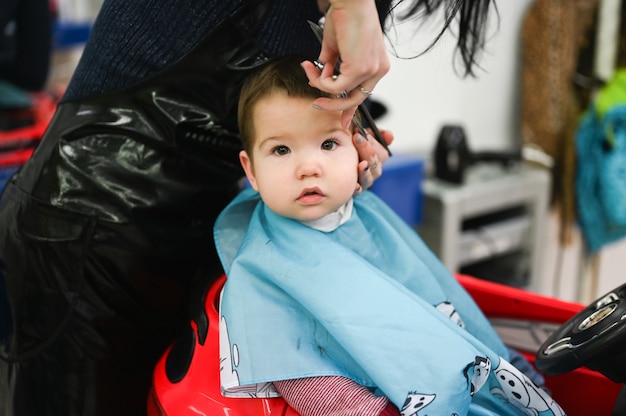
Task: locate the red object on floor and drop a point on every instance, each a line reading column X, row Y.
column 17, row 145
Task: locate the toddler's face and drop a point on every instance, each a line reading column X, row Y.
column 304, row 164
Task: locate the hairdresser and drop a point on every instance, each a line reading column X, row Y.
column 106, row 233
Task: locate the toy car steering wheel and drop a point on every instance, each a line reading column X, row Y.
column 595, row 338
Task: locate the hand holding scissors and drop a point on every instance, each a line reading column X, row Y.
column 343, row 95
column 352, row 35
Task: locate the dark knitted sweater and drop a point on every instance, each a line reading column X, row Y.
column 132, row 39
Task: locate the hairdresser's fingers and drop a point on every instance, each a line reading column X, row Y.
column 357, row 189
column 369, row 149
column 357, row 90
column 372, row 156
column 353, row 33
column 341, row 104
column 365, row 178
column 388, row 136
column 360, row 92
column 340, row 99
column 345, row 102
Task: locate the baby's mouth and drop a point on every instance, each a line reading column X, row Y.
column 310, row 196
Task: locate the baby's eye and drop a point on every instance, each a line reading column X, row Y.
column 280, row 150
column 329, row 144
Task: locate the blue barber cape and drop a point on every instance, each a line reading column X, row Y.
column 367, row 301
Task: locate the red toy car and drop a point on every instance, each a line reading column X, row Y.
column 186, row 379
column 22, row 129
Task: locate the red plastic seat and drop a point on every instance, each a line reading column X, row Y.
column 514, row 311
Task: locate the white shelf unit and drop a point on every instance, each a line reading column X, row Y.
column 497, row 213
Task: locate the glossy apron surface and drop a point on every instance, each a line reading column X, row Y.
column 106, row 233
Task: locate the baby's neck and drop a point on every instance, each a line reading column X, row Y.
column 330, row 222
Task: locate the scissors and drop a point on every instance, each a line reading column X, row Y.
column 362, row 109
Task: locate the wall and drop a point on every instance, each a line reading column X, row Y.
column 425, row 93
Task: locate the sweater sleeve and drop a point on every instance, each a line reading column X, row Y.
column 333, row 395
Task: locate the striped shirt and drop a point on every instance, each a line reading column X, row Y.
column 333, row 396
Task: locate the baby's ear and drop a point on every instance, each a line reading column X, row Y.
column 246, row 163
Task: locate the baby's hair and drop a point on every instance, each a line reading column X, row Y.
column 281, row 75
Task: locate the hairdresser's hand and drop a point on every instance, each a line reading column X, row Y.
column 372, row 156
column 352, row 31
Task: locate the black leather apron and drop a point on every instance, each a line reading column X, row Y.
column 106, row 233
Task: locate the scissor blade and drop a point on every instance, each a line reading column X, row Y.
column 317, row 30
column 377, row 134
column 359, row 126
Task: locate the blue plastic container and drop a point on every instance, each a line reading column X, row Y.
column 400, row 186
column 70, row 34
column 5, row 174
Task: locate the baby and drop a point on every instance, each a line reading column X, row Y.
column 332, row 301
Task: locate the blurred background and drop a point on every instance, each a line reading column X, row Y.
column 485, row 168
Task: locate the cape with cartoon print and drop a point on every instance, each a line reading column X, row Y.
column 367, row 301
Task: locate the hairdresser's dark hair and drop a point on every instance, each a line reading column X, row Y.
column 470, row 15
